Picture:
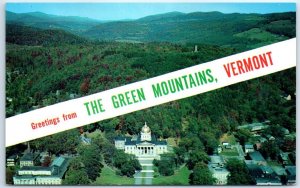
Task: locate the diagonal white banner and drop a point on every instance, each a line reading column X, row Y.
column 151, row 92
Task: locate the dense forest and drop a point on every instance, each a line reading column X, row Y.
column 46, row 66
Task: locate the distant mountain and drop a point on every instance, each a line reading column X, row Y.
column 205, row 27
column 234, row 30
column 161, row 16
column 25, row 35
column 41, row 20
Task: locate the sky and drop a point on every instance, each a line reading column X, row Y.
column 118, row 11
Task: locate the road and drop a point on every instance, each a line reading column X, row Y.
column 145, row 176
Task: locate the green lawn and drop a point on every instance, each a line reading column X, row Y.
column 258, row 34
column 181, row 177
column 229, row 152
column 109, row 177
column 94, row 134
column 228, row 138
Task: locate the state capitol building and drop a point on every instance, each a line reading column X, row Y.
column 144, row 144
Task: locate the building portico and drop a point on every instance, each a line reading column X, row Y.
column 143, row 145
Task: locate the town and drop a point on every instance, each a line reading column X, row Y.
column 244, row 146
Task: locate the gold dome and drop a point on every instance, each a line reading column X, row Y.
column 146, row 129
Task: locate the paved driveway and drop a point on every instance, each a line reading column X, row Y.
column 144, row 177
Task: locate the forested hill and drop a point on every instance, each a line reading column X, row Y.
column 210, row 27
column 241, row 31
column 24, row 35
column 41, row 20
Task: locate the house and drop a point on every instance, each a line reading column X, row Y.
column 29, row 159
column 218, row 169
column 291, row 174
column 12, row 160
column 262, row 175
column 249, row 148
column 257, row 158
column 254, row 127
column 226, row 145
column 38, row 175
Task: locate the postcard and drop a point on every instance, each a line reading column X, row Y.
column 150, row 93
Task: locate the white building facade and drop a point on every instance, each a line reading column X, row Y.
column 38, row 175
column 143, row 145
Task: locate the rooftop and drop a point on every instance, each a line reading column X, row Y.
column 256, row 156
column 291, row 170
column 119, row 138
column 58, row 161
column 253, row 126
column 267, row 169
column 130, row 141
column 249, row 146
column 12, row 157
column 29, row 157
column 35, row 168
column 268, row 181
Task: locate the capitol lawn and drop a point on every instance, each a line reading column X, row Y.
column 181, row 177
column 109, row 177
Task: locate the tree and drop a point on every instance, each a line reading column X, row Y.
column 196, row 157
column 9, row 175
column 127, row 163
column 166, row 164
column 47, row 161
column 63, row 142
column 210, row 142
column 243, row 135
column 275, row 130
column 270, row 149
column 76, row 174
column 179, row 155
column 165, row 167
column 120, row 158
column 191, row 143
column 201, row 175
column 85, row 86
column 91, row 158
column 239, row 174
column 127, row 169
column 76, row 177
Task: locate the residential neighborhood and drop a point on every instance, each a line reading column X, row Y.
column 265, row 171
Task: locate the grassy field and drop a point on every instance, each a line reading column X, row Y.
column 228, row 138
column 94, row 134
column 181, row 177
column 230, row 152
column 109, row 177
column 258, row 34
